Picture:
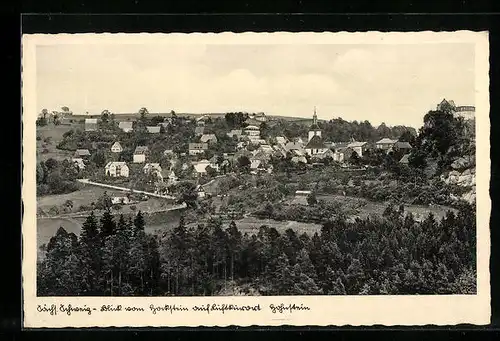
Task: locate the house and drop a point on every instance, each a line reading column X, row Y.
column 241, row 145
column 153, row 129
column 153, row 168
column 168, row 152
column 255, row 163
column 328, row 153
column 116, row 147
column 78, row 162
column 281, row 140
column 214, row 162
column 200, row 167
column 291, row 146
column 405, row 159
column 235, row 132
column 315, row 146
column 140, row 154
column 80, row 153
column 198, row 131
column 401, row 146
column 301, row 197
column 266, row 148
column 358, row 147
column 346, row 153
column 90, row 124
column 208, row 138
column 252, row 122
column 120, row 200
column 385, row 144
column 126, row 126
column 338, row 156
column 201, row 192
column 117, row 169
column 258, row 141
column 172, row 178
column 259, row 117
column 197, row 148
column 297, row 159
column 253, row 132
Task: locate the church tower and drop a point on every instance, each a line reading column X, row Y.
column 314, row 130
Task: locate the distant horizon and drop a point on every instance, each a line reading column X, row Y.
column 395, row 84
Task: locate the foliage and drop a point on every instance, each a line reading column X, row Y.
column 56, row 177
column 389, row 255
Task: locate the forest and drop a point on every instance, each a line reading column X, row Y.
column 390, row 254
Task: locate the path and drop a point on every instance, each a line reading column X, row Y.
column 124, row 189
column 84, row 214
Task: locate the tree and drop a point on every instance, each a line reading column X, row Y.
column 105, row 116
column 244, row 163
column 187, row 193
column 311, row 199
column 143, row 112
column 90, row 254
column 108, row 226
column 139, row 222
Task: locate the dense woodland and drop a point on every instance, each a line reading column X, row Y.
column 392, row 254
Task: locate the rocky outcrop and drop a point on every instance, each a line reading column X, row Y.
column 463, row 175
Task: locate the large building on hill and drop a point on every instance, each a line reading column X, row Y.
column 468, row 112
column 314, row 130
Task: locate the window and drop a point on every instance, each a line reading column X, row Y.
column 118, row 170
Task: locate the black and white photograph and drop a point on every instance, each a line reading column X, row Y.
column 215, row 169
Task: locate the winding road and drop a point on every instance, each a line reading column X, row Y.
column 124, row 189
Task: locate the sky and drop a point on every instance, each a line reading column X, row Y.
column 394, row 84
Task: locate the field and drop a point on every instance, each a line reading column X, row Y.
column 85, row 196
column 365, row 207
column 55, row 134
column 251, row 225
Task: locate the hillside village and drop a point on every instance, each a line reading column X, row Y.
column 324, row 201
column 159, row 155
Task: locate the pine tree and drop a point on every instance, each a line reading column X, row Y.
column 139, row 222
column 90, row 254
column 108, row 226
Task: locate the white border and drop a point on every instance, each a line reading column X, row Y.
column 325, row 310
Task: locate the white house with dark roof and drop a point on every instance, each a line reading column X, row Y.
column 235, row 132
column 402, row 145
column 315, row 146
column 200, row 167
column 82, row 153
column 90, row 124
column 153, row 129
column 126, row 126
column 153, row 168
column 116, row 169
column 385, row 144
column 140, row 154
column 358, row 147
column 208, row 138
column 253, row 132
column 116, row 147
column 197, row 148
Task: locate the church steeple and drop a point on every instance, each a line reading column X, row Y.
column 314, row 130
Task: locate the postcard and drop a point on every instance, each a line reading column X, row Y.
column 256, row 179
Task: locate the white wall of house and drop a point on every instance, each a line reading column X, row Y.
column 196, row 151
column 313, row 133
column 139, row 158
column 116, row 170
column 116, row 148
